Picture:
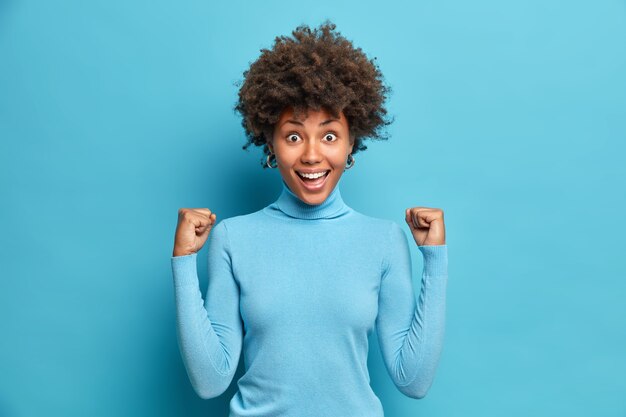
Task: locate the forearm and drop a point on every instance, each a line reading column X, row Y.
column 201, row 351
column 419, row 356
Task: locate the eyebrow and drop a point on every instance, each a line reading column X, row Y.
column 296, row 122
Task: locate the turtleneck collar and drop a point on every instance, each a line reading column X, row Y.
column 290, row 204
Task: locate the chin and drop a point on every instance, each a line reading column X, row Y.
column 314, row 197
column 315, row 200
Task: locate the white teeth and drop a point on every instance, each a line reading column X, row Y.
column 312, row 176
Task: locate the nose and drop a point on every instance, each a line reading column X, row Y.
column 311, row 153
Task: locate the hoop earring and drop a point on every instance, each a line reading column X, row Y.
column 350, row 157
column 268, row 163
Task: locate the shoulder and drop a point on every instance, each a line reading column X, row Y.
column 236, row 224
column 384, row 228
column 387, row 236
column 390, row 231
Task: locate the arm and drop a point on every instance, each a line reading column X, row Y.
column 411, row 335
column 210, row 332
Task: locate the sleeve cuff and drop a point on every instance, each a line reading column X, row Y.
column 184, row 270
column 435, row 259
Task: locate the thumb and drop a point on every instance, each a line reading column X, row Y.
column 408, row 218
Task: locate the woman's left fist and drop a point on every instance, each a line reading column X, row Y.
column 426, row 225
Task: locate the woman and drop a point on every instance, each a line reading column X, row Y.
column 303, row 282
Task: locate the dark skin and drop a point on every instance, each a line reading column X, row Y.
column 319, row 142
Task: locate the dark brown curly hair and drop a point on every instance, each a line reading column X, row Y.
column 315, row 69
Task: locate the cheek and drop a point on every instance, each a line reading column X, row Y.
column 286, row 156
column 339, row 158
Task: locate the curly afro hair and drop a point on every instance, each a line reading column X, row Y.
column 315, row 69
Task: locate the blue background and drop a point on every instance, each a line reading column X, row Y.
column 510, row 116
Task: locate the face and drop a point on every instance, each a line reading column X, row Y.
column 317, row 143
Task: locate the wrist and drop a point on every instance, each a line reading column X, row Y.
column 435, row 259
column 181, row 252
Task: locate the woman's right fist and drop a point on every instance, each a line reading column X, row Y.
column 194, row 226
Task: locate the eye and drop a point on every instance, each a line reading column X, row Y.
column 292, row 135
column 332, row 135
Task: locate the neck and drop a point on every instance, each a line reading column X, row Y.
column 291, row 205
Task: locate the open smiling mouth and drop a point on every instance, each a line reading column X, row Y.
column 314, row 182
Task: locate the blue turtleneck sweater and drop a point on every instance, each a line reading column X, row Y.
column 301, row 287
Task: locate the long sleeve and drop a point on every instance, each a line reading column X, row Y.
column 410, row 335
column 209, row 332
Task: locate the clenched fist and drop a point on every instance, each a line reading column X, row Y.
column 194, row 226
column 426, row 225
